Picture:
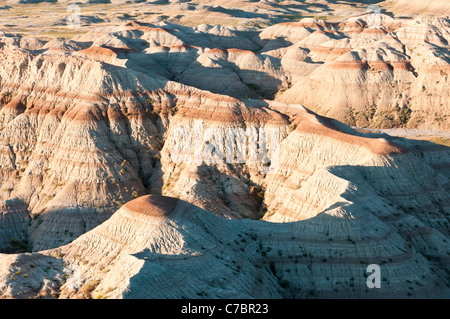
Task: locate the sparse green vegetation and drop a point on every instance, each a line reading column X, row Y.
column 17, row 245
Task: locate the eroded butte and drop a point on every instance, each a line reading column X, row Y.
column 96, row 202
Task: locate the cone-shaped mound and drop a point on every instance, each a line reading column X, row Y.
column 152, row 205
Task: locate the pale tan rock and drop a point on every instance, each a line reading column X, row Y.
column 374, row 79
column 437, row 7
column 203, row 256
column 88, row 125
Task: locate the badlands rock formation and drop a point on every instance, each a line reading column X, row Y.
column 436, row 7
column 392, row 75
column 300, row 206
column 162, row 247
column 384, row 65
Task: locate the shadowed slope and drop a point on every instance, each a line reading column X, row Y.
column 161, row 247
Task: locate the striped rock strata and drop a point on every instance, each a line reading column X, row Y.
column 162, row 247
column 92, row 123
column 391, row 75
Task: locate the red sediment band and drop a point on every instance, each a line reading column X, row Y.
column 311, row 25
column 374, row 31
column 240, row 51
column 441, row 69
column 152, row 205
column 327, row 128
column 322, row 49
column 333, row 50
column 379, row 65
column 16, row 105
column 98, row 52
column 186, row 91
column 217, row 51
column 226, row 115
column 348, row 65
column 402, row 65
column 94, row 97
